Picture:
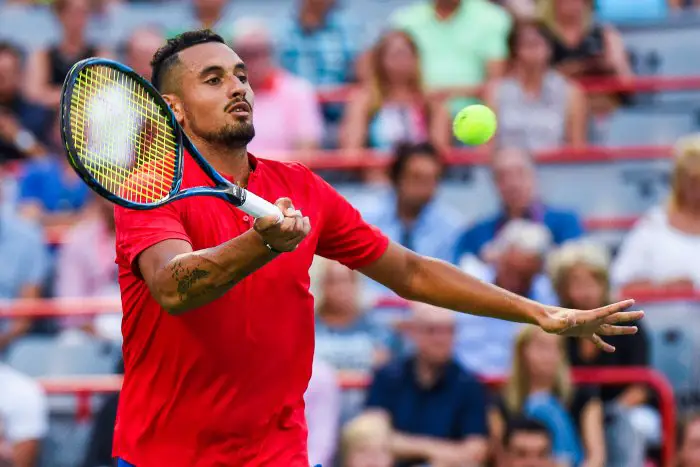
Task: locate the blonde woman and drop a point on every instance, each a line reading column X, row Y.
column 393, row 107
column 366, row 441
column 579, row 272
column 663, row 249
column 540, row 387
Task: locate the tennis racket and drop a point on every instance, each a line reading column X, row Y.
column 123, row 140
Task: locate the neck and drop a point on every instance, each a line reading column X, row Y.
column 226, row 160
column 515, row 212
column 72, row 42
column 445, row 9
column 400, row 90
column 540, row 385
column 530, row 78
column 427, row 373
column 408, row 213
column 514, row 283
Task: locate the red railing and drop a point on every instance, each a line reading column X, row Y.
column 84, row 387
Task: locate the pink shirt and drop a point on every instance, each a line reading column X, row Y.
column 286, row 113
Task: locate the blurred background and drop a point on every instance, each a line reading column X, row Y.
column 590, row 191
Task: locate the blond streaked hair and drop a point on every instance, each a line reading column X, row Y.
column 546, row 15
column 583, row 252
column 686, row 154
column 517, row 387
column 369, row 427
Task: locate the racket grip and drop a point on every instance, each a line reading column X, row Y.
column 257, row 207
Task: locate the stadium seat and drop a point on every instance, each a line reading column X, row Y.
column 626, row 11
column 84, row 357
column 635, row 128
column 31, row 355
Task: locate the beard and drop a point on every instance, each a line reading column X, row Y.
column 233, row 136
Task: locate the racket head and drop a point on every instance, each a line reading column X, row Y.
column 121, row 137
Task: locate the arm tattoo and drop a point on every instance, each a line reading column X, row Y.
column 186, row 278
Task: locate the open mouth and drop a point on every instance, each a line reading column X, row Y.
column 241, row 108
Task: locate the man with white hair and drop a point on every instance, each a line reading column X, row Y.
column 484, row 345
column 515, row 179
column 437, row 408
column 287, row 112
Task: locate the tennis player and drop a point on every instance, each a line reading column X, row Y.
column 218, row 319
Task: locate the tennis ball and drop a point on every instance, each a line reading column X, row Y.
column 475, row 124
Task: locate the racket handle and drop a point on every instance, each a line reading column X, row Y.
column 257, row 207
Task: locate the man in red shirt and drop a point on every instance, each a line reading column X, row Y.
column 218, row 319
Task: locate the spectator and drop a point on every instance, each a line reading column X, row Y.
column 582, row 48
column 216, row 15
column 528, row 443
column 322, row 400
column 22, row 123
column 86, row 268
column 321, row 43
column 663, row 248
column 287, row 114
column 580, row 272
column 476, row 33
column 47, row 69
column 437, row 409
column 689, row 446
column 99, row 447
column 410, row 214
column 25, row 265
column 50, row 192
column 393, row 106
column 538, row 109
column 539, row 387
column 515, row 178
column 484, row 345
column 347, row 337
column 366, row 442
column 140, row 47
column 24, row 415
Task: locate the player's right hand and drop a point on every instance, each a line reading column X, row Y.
column 285, row 235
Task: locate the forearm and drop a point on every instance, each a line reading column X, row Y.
column 440, row 284
column 633, row 396
column 196, row 278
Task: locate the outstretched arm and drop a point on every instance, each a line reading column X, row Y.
column 438, row 283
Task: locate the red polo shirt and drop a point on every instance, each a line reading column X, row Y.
column 223, row 385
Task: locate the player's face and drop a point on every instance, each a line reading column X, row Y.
column 529, row 450
column 216, row 100
column 690, row 452
column 583, row 289
column 542, row 356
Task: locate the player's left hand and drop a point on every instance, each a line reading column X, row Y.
column 592, row 324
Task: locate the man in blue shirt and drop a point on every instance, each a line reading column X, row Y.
column 437, row 408
column 515, row 179
column 410, row 213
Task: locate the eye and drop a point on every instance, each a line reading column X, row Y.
column 214, row 80
column 243, row 78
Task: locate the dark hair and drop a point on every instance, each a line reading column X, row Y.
column 12, row 49
column 529, row 425
column 405, row 151
column 167, row 56
column 518, row 27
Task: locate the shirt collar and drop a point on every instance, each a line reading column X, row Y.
column 444, row 378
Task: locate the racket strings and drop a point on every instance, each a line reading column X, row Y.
column 122, row 136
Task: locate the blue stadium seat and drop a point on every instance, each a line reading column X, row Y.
column 624, row 11
column 84, row 357
column 635, row 128
column 31, row 355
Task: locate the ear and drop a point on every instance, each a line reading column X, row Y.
column 176, row 106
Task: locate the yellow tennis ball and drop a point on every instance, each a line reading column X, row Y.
column 475, row 124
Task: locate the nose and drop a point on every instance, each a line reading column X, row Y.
column 237, row 90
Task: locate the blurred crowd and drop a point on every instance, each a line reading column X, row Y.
column 427, row 403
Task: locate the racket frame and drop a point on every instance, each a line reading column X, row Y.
column 230, row 192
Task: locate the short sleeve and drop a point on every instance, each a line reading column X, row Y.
column 344, row 236
column 472, row 417
column 138, row 230
column 28, row 416
column 495, row 44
